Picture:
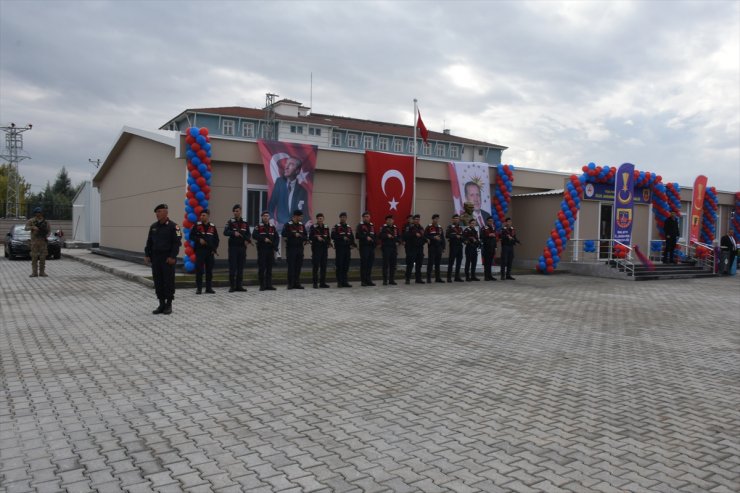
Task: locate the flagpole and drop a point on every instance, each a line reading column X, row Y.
column 413, row 199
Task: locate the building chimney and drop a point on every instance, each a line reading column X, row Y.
column 446, row 131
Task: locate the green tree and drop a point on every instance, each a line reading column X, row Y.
column 23, row 189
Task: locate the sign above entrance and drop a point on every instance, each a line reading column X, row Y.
column 605, row 193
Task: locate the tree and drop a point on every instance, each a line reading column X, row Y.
column 23, row 189
column 56, row 200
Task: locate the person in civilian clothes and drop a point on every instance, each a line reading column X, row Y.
column 728, row 246
column 295, row 236
column 366, row 240
column 508, row 240
column 435, row 237
column 343, row 240
column 389, row 240
column 413, row 235
column 488, row 236
column 237, row 230
column 162, row 247
column 454, row 237
column 472, row 244
column 320, row 239
column 670, row 228
column 266, row 237
column 204, row 236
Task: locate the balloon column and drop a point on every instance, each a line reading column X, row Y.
column 502, row 193
column 199, row 185
column 709, row 219
column 560, row 234
column 736, row 218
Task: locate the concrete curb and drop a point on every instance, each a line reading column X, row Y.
column 112, row 270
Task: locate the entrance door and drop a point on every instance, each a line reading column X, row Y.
column 605, row 230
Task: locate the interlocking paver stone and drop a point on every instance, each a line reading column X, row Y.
column 542, row 384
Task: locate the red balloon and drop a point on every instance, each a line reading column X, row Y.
column 191, row 167
column 195, row 174
column 198, row 209
column 192, row 258
column 201, row 182
column 193, row 202
column 202, row 154
column 190, row 194
column 187, row 224
column 550, row 269
column 206, row 189
column 189, row 139
column 195, row 147
column 203, row 131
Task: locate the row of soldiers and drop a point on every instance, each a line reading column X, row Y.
column 461, row 239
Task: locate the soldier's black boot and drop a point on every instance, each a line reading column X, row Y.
column 167, row 307
column 160, row 308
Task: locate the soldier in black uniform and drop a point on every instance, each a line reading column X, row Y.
column 455, row 239
column 266, row 237
column 472, row 243
column 436, row 238
column 413, row 235
column 366, row 240
column 488, row 236
column 162, row 247
column 508, row 240
column 204, row 237
column 344, row 240
column 389, row 240
column 295, row 236
column 237, row 230
column 320, row 239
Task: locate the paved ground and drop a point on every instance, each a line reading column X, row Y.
column 532, row 385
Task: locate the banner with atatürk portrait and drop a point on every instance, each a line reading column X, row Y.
column 289, row 169
column 624, row 188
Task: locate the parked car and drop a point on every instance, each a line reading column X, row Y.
column 18, row 243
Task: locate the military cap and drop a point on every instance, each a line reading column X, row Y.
column 389, row 216
column 417, row 216
column 456, row 216
column 236, row 206
column 320, row 214
column 37, row 210
column 366, row 213
column 342, row 214
column 161, row 206
column 297, row 212
column 205, row 211
column 265, row 212
column 435, row 216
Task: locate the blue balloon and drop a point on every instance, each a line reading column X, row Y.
column 188, row 208
column 204, row 203
column 196, row 161
column 207, row 147
column 200, row 140
column 194, row 187
column 200, row 196
column 202, row 168
column 207, row 175
column 191, row 180
column 192, row 218
column 195, row 132
column 556, row 259
column 186, row 204
column 190, row 154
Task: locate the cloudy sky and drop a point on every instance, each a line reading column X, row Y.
column 655, row 83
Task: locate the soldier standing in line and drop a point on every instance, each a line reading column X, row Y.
column 268, row 241
column 488, row 237
column 39, row 229
column 295, row 236
column 436, row 238
column 508, row 240
column 455, row 239
column 389, row 240
column 472, row 243
column 343, row 240
column 204, row 235
column 413, row 235
column 237, row 230
column 162, row 248
column 320, row 239
column 366, row 240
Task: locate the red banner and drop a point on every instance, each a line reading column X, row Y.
column 289, row 169
column 389, row 186
column 697, row 208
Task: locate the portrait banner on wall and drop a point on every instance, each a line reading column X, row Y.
column 697, row 207
column 289, row 170
column 624, row 202
column 470, row 183
column 389, row 186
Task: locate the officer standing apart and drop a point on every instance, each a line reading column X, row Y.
column 39, row 229
column 413, row 235
column 268, row 241
column 237, row 230
column 343, row 239
column 488, row 237
column 295, row 236
column 320, row 239
column 162, row 248
column 454, row 236
column 472, row 243
column 670, row 229
column 205, row 237
column 508, row 240
column 435, row 236
column 366, row 240
column 389, row 240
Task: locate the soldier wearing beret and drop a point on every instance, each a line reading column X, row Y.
column 472, row 244
column 508, row 240
column 162, row 248
column 320, row 239
column 454, row 236
column 237, row 230
column 343, row 239
column 413, row 235
column 366, row 240
column 204, row 237
column 266, row 237
column 488, row 236
column 436, row 239
column 295, row 236
column 389, row 240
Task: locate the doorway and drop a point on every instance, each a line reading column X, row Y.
column 605, row 230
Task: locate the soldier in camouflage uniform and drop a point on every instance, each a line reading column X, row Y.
column 39, row 229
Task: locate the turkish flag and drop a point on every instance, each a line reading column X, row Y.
column 389, row 186
column 422, row 128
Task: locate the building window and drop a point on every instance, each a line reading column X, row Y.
column 480, row 152
column 296, row 129
column 383, row 143
column 314, row 131
column 351, row 140
column 412, row 147
column 427, row 149
column 336, row 139
column 454, row 152
column 248, row 130
column 439, row 150
column 367, row 142
column 397, row 145
column 228, row 127
column 256, row 203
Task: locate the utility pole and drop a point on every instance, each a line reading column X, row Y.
column 95, row 162
column 12, row 154
column 267, row 130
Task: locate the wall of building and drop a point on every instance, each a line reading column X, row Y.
column 533, row 218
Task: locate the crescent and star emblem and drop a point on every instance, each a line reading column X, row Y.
column 624, row 200
column 393, row 173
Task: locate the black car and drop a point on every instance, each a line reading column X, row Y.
column 18, row 243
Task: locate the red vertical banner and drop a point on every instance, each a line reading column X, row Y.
column 389, row 186
column 697, row 208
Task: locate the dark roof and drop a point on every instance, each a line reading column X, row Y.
column 342, row 122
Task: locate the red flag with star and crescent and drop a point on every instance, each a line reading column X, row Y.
column 389, row 186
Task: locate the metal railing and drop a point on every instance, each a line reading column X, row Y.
column 51, row 211
column 703, row 253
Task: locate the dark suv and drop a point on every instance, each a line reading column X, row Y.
column 18, row 243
